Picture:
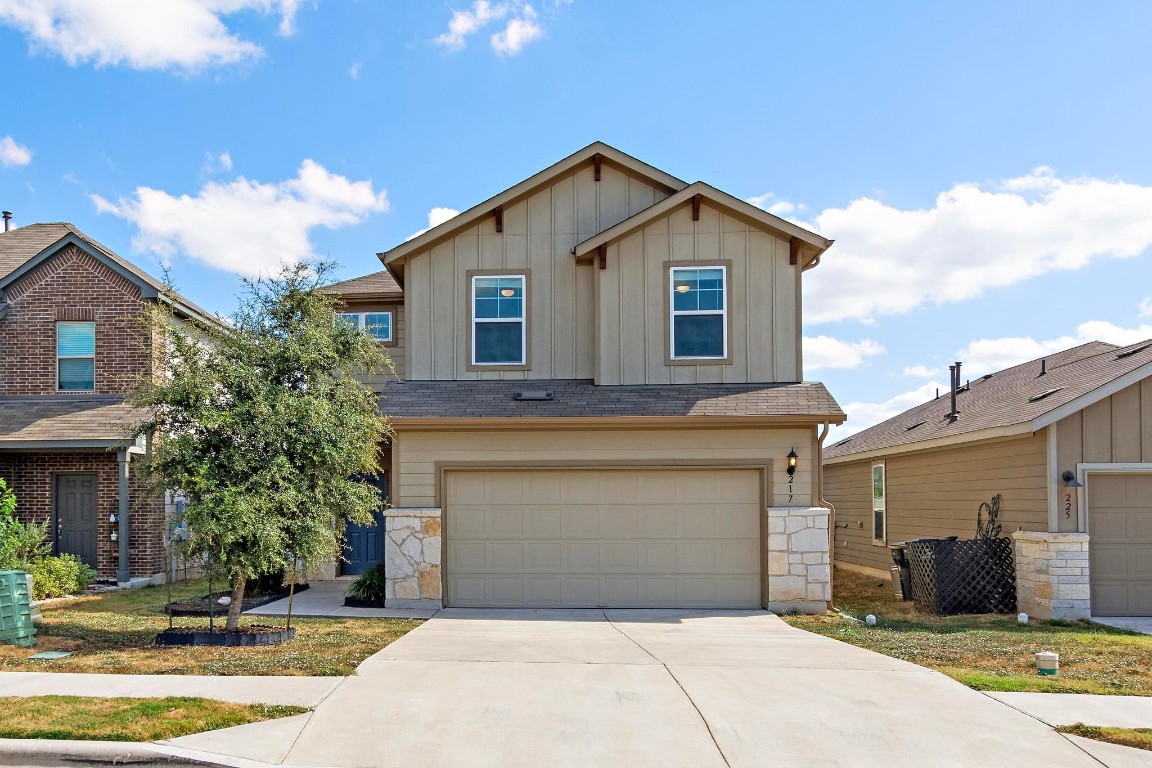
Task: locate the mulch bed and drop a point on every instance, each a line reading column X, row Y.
column 253, row 634
column 199, row 606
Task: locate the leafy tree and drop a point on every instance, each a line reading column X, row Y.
column 262, row 427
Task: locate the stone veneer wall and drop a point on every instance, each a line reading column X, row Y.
column 799, row 565
column 412, row 558
column 1052, row 574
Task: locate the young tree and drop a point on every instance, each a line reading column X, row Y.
column 262, row 427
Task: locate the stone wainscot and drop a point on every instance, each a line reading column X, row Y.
column 1052, row 575
column 799, row 567
column 412, row 545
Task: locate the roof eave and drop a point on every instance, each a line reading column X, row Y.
column 1090, row 398
column 65, row 445
column 979, row 435
column 503, row 423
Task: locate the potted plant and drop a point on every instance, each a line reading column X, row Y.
column 367, row 591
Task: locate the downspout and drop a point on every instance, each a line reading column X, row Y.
column 825, row 503
column 124, row 574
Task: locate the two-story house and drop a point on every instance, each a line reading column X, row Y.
column 598, row 399
column 73, row 341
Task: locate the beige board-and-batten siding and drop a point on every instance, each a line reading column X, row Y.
column 763, row 301
column 937, row 493
column 396, row 349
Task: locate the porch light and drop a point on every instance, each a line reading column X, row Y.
column 1070, row 481
column 114, row 536
column 792, row 457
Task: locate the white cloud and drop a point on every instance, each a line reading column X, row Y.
column 828, row 352
column 520, row 26
column 989, row 355
column 12, row 153
column 1146, row 307
column 244, row 226
column 436, row 217
column 864, row 415
column 214, row 163
column 781, row 208
column 889, row 260
column 173, row 34
column 919, row 372
column 354, row 71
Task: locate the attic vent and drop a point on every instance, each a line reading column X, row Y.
column 534, row 394
column 845, row 441
column 1042, row 395
column 1130, row 352
column 911, row 427
column 985, row 377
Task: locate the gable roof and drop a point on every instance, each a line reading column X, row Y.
column 378, row 285
column 25, row 248
column 608, row 155
column 67, row 421
column 1016, row 400
column 812, row 244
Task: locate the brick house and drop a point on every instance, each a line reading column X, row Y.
column 73, row 341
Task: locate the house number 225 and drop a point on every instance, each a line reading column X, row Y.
column 1067, row 506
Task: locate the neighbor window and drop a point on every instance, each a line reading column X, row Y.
column 76, row 357
column 377, row 324
column 699, row 316
column 498, row 324
column 879, row 505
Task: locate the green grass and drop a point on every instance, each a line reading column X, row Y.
column 990, row 653
column 115, row 633
column 122, row 719
column 1140, row 738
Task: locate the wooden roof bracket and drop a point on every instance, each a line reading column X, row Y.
column 603, row 254
column 794, row 251
column 498, row 212
column 597, row 159
column 695, row 207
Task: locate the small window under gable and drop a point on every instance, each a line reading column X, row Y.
column 699, row 313
column 499, row 320
column 377, row 324
column 75, row 357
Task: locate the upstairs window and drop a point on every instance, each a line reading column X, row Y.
column 377, row 324
column 699, row 316
column 498, row 320
column 76, row 357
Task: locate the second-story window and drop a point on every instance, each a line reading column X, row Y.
column 377, row 324
column 699, row 316
column 498, row 324
column 76, row 357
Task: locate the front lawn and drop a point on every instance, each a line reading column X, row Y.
column 114, row 633
column 1140, row 738
column 97, row 719
column 988, row 653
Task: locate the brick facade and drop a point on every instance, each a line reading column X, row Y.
column 72, row 286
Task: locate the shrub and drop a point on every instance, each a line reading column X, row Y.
column 369, row 585
column 58, row 576
column 19, row 543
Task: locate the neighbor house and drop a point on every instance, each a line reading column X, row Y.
column 73, row 341
column 598, row 400
column 1065, row 442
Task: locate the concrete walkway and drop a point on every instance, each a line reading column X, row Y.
column 1070, row 708
column 1141, row 624
column 641, row 688
column 325, row 599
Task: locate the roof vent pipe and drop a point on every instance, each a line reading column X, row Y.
column 7, row 218
column 955, row 372
column 1043, row 366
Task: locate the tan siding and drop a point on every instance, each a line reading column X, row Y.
column 417, row 453
column 1117, row 429
column 937, row 493
column 396, row 351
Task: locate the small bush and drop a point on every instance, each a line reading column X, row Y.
column 59, row 576
column 369, row 585
column 19, row 542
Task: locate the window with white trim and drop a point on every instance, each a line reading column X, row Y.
column 75, row 357
column 378, row 325
column 699, row 313
column 499, row 329
column 879, row 504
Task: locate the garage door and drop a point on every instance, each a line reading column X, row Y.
column 603, row 538
column 1120, row 543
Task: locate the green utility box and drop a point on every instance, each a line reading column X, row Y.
column 16, row 609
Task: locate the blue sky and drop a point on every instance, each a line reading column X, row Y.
column 984, row 167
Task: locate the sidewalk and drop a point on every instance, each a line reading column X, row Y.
column 325, row 599
column 1069, row 708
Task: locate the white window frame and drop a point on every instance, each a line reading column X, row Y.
column 673, row 313
column 523, row 319
column 362, row 322
column 60, row 357
column 879, row 505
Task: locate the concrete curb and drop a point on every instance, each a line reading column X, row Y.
column 49, row 752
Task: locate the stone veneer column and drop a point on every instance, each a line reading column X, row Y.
column 799, row 565
column 412, row 558
column 1052, row 575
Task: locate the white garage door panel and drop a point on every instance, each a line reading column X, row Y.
column 615, row 538
column 1120, row 544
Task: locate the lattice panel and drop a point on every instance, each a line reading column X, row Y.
column 972, row 576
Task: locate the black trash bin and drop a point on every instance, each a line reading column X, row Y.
column 901, row 572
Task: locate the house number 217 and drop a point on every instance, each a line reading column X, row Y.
column 1067, row 506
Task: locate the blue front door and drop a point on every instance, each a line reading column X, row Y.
column 364, row 544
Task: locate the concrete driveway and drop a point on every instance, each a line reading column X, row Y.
column 654, row 688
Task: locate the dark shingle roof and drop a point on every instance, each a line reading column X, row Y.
column 1004, row 399
column 377, row 284
column 55, row 418
column 582, row 398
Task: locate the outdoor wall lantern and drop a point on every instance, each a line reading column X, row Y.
column 1070, row 481
column 114, row 536
column 792, row 457
column 112, row 518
